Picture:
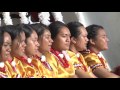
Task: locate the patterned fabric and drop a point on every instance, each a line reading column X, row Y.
column 79, row 61
column 94, row 60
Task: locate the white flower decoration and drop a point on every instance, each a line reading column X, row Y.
column 2, row 64
column 43, row 58
column 18, row 76
column 61, row 55
column 57, row 16
column 44, row 17
column 23, row 18
column 29, row 60
column 7, row 19
column 78, row 55
column 99, row 55
column 66, row 55
column 13, row 63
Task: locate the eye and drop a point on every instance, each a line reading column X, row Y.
column 5, row 45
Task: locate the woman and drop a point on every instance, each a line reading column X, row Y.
column 79, row 43
column 5, row 49
column 31, row 50
column 21, row 63
column 68, row 67
column 98, row 42
column 45, row 41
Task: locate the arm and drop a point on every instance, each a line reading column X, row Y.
column 93, row 75
column 82, row 74
column 101, row 72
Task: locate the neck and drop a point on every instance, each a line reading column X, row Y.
column 20, row 55
column 73, row 49
column 95, row 50
column 56, row 49
column 39, row 53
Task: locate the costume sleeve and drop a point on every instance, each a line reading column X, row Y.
column 92, row 61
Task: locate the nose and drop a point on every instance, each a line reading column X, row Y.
column 24, row 44
column 51, row 40
column 8, row 49
column 68, row 39
column 37, row 44
column 87, row 39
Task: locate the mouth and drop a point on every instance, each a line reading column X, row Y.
column 67, row 44
column 7, row 55
column 49, row 45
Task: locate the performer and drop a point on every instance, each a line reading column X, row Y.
column 46, row 58
column 66, row 59
column 98, row 42
column 5, row 57
column 79, row 43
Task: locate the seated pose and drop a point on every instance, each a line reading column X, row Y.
column 67, row 67
column 98, row 42
column 5, row 57
column 44, row 39
column 21, row 62
column 79, row 43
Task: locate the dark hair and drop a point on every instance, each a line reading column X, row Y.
column 13, row 30
column 27, row 29
column 39, row 28
column 1, row 38
column 73, row 27
column 93, row 30
column 55, row 28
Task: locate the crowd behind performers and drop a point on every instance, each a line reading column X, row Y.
column 55, row 51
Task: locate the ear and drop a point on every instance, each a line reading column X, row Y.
column 73, row 40
column 92, row 41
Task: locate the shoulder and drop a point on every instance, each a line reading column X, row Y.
column 70, row 53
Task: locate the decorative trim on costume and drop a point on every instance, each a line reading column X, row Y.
column 93, row 67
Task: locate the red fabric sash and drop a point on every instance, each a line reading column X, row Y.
column 23, row 59
column 82, row 63
column 63, row 61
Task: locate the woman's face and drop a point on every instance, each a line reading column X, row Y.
column 32, row 44
column 18, row 45
column 101, row 41
column 82, row 40
column 6, row 47
column 45, row 42
column 62, row 40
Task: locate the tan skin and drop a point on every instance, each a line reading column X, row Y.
column 18, row 46
column 100, row 43
column 6, row 48
column 45, row 42
column 80, row 43
column 62, row 42
column 32, row 45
